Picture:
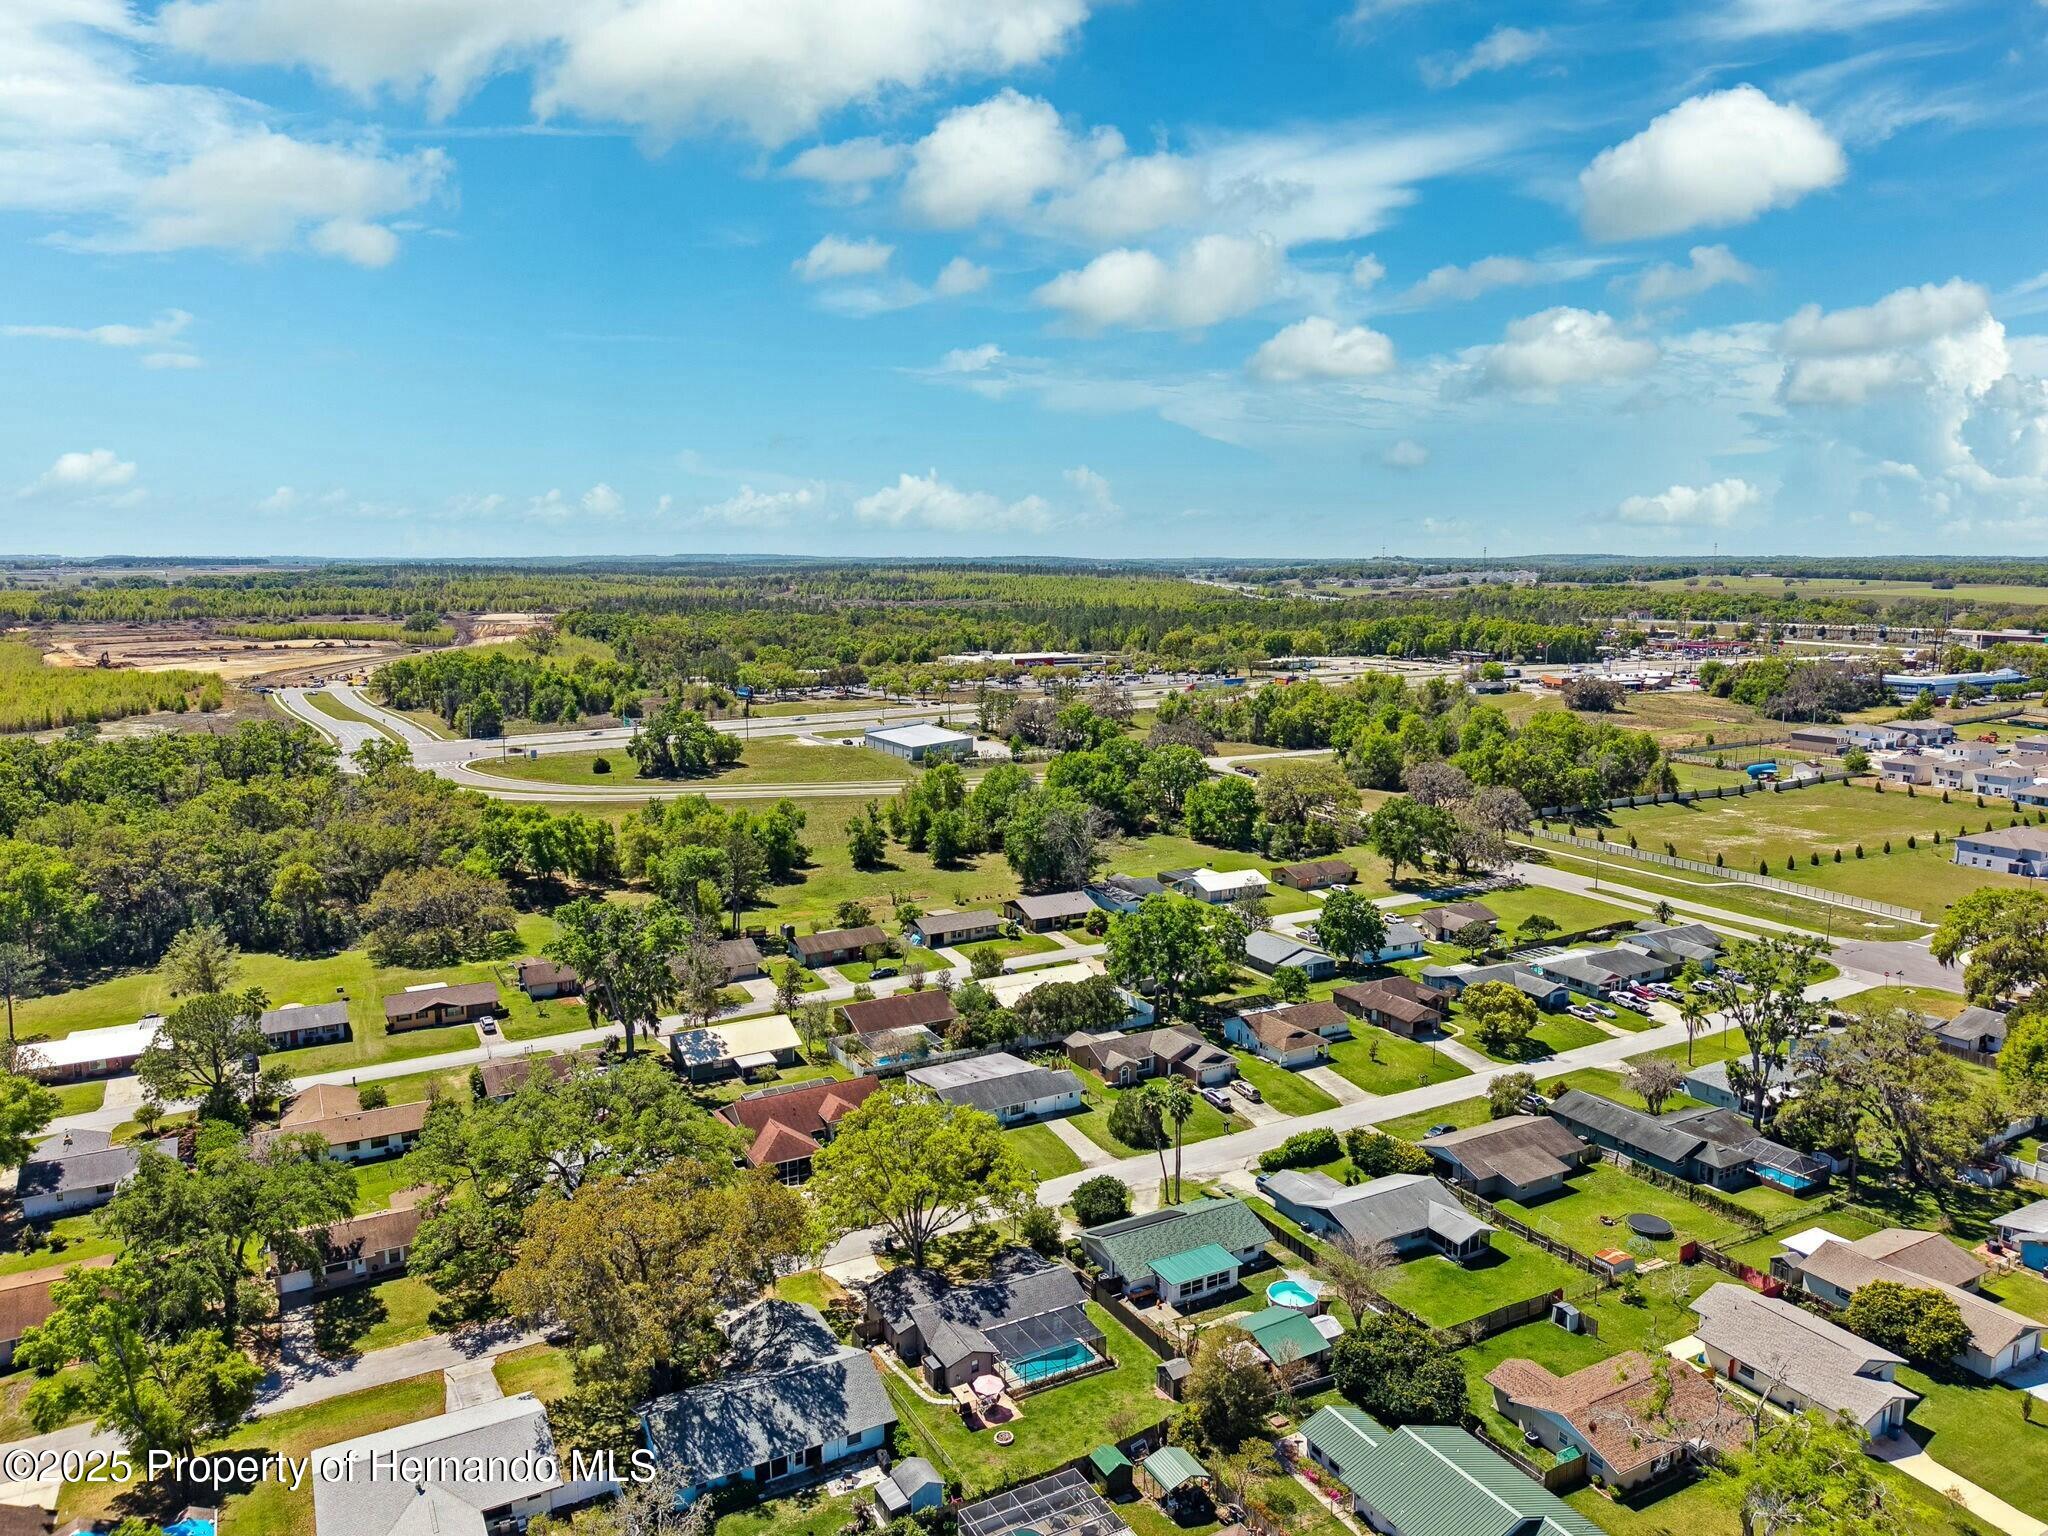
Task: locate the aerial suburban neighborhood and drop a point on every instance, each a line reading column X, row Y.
column 1023, row 768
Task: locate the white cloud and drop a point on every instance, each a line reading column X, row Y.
column 926, row 501
column 171, row 360
column 1721, row 158
column 1316, row 348
column 159, row 332
column 1094, row 491
column 1783, row 18
column 283, row 499
column 836, row 256
column 849, row 169
column 97, row 476
column 1705, row 506
column 1405, row 454
column 996, row 157
column 1366, row 271
column 367, row 245
column 750, row 508
column 960, row 276
column 663, row 66
column 863, row 301
column 1132, row 197
column 1454, row 283
column 602, row 501
column 1905, row 318
column 1847, row 380
column 1707, row 266
column 1502, row 48
column 1562, row 347
column 971, row 359
column 1215, row 278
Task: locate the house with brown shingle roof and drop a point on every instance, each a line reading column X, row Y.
column 361, row 1249
column 1314, row 874
column 2001, row 1340
column 1634, row 1419
column 788, row 1125
column 1121, row 1060
column 502, row 1079
column 1518, row 1157
column 836, row 946
column 353, row 1134
column 439, row 1003
column 540, row 979
column 1445, row 923
column 1395, row 1003
column 25, row 1300
column 930, row 1008
column 1277, row 1035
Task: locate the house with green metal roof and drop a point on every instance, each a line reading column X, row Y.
column 1183, row 1241
column 1286, row 1336
column 1434, row 1480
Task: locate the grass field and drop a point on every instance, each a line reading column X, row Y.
column 1557, row 1032
column 766, row 760
column 1733, row 898
column 328, row 705
column 1444, row 1293
column 1012, row 949
column 350, row 974
column 67, row 1240
column 1380, row 1061
column 35, row 696
column 1571, row 912
column 1042, row 1150
column 1975, row 1427
column 1609, row 1085
column 1057, row 1425
column 1877, row 590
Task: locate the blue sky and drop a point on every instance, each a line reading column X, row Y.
column 484, row 277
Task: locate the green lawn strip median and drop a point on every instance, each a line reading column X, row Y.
column 1042, row 1151
column 1283, row 1090
column 1093, row 1121
column 1382, row 1062
column 328, row 705
column 1445, row 1293
column 1057, row 1425
column 366, row 1317
column 1602, row 1190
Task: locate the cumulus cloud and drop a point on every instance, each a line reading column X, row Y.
column 1905, row 318
column 1317, row 348
column 1405, row 454
column 283, row 499
column 835, row 256
column 1721, row 158
column 1912, row 337
column 1093, row 490
column 847, row 170
column 1214, row 278
column 96, row 476
column 1502, row 48
column 996, row 157
column 1562, row 347
column 602, row 501
column 750, row 508
column 971, row 359
column 1131, row 197
column 1366, row 271
column 665, row 67
column 1692, row 506
column 960, row 276
column 926, row 501
column 1707, row 266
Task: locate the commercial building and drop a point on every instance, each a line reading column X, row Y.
column 1943, row 685
column 920, row 743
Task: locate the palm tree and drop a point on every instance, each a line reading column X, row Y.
column 1693, row 1008
column 1176, row 1106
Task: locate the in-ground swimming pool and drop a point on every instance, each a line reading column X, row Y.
column 190, row 1527
column 1291, row 1293
column 1070, row 1356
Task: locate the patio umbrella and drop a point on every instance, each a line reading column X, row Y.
column 988, row 1386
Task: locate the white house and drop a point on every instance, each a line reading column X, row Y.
column 73, row 1171
column 734, row 1045
column 1006, row 1086
column 2015, row 851
column 1799, row 1361
column 86, row 1053
column 1217, row 885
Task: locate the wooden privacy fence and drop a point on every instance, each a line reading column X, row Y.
column 1711, row 1199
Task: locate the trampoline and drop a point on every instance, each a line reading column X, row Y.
column 1656, row 1228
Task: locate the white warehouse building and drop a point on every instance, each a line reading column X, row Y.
column 916, row 743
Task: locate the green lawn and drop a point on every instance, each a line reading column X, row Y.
column 1603, row 1190
column 809, row 1513
column 1057, row 1425
column 542, row 1369
column 768, row 760
column 1554, row 1034
column 1098, row 1096
column 1012, row 949
column 1461, row 1115
column 376, row 1183
column 1380, row 1061
column 1609, row 1085
column 367, row 1317
column 1444, row 1293
column 1758, row 1252
column 812, row 1287
column 1571, row 912
column 1042, row 1151
column 67, row 1240
column 2022, row 1290
column 1288, row 1092
column 1740, row 902
column 1974, row 1427
column 79, row 1098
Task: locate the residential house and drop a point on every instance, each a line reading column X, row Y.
column 1923, row 733
column 1677, row 943
column 359, row 1250
column 1182, row 1252
column 489, row 1467
column 1824, row 739
column 1404, row 941
column 73, row 1171
column 1903, row 767
column 1713, row 1083
column 1267, row 951
column 2015, row 851
column 836, row 946
column 1871, row 738
column 1798, row 1361
column 1634, row 1423
column 335, row 1113
column 435, row 1004
column 1432, row 1480
column 1974, row 1031
column 1215, row 886
column 90, row 1053
column 920, row 743
column 1444, row 924
column 890, row 1299
column 793, row 1404
column 1315, row 874
column 543, row 979
column 1055, row 909
column 502, row 1078
column 1121, row 1060
column 788, row 1124
column 1547, row 992
column 25, row 1300
column 1715, row 1147
column 288, row 1027
column 2005, row 781
column 741, row 958
column 1011, row 988
column 1123, row 893
column 927, row 1008
column 1395, row 1003
column 1408, row 1213
column 2032, row 749
column 1599, row 972
column 1268, row 1034
column 1011, row 1089
column 1027, row 1327
column 942, row 929
column 734, row 1046
column 2001, row 1340
column 1288, row 1337
column 2026, row 1232
column 1519, row 1157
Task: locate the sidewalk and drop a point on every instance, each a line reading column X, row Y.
column 1902, row 1452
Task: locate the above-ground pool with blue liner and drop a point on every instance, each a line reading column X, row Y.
column 1290, row 1293
column 193, row 1527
